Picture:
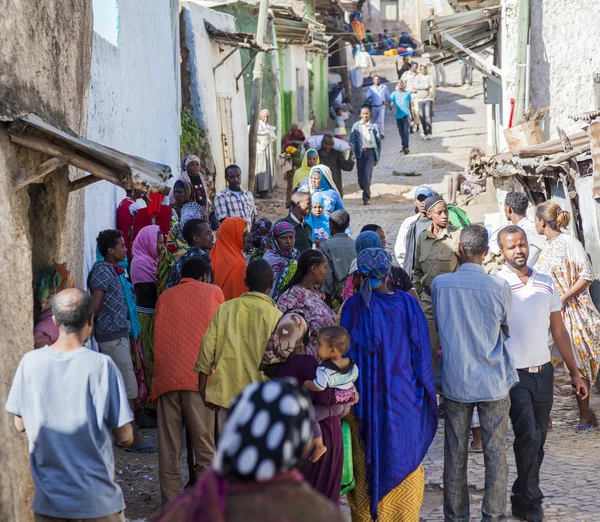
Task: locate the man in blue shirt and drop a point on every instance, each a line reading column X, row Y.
column 401, row 99
column 472, row 312
column 379, row 95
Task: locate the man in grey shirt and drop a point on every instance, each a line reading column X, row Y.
column 70, row 400
column 340, row 251
column 472, row 311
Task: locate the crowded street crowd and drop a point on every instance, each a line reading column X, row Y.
column 299, row 360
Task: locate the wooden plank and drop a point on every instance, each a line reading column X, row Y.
column 83, row 182
column 39, row 172
column 47, row 147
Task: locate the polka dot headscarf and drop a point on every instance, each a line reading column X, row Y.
column 267, row 431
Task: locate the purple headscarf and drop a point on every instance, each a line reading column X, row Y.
column 145, row 255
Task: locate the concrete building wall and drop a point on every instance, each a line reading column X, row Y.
column 211, row 90
column 407, row 15
column 134, row 101
column 319, row 92
column 561, row 81
column 294, row 86
column 44, row 68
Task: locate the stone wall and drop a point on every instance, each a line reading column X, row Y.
column 44, row 68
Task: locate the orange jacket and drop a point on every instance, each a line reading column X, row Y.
column 183, row 314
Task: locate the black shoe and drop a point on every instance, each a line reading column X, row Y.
column 534, row 513
column 517, row 509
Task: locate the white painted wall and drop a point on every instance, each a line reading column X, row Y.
column 133, row 101
column 206, row 85
column 564, row 56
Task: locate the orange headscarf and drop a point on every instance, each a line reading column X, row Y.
column 227, row 260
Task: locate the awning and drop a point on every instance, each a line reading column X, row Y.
column 235, row 38
column 100, row 161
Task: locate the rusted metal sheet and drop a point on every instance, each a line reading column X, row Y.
column 594, row 132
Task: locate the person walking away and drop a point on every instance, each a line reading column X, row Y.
column 340, row 251
column 235, row 341
column 536, row 309
column 566, row 261
column 318, row 221
column 336, row 372
column 126, row 212
column 70, row 434
column 297, row 218
column 466, row 73
column 111, row 329
column 234, row 201
column 336, row 161
column 201, row 240
column 410, row 230
column 147, row 248
column 50, row 280
column 365, row 140
column 183, row 314
column 388, row 442
column 379, row 95
column 282, row 257
column 227, row 260
column 310, row 160
column 515, row 210
column 271, row 487
column 436, row 253
column 266, row 175
column 467, row 184
column 472, row 312
column 401, row 100
column 424, row 86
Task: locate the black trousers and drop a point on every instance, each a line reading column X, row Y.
column 530, row 406
column 364, row 168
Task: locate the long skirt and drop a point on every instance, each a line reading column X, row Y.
column 402, row 504
column 266, row 176
column 147, row 342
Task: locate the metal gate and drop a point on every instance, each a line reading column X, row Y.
column 225, row 124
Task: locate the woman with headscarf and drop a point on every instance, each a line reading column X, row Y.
column 293, row 138
column 282, row 257
column 191, row 171
column 254, row 475
column 321, row 182
column 155, row 213
column 182, row 191
column 227, row 258
column 262, row 238
column 311, row 159
column 265, row 156
column 144, row 267
column 318, row 221
column 51, row 280
column 395, row 420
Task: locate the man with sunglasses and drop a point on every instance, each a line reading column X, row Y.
column 410, row 230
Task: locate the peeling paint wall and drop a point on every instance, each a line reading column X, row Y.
column 212, row 91
column 134, row 101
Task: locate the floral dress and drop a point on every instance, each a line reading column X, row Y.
column 316, row 312
column 565, row 260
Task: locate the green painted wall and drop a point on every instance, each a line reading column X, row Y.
column 319, row 95
column 288, row 98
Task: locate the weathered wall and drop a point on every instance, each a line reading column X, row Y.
column 319, row 92
column 206, row 86
column 44, row 68
column 560, row 79
column 134, row 101
column 294, row 86
column 409, row 15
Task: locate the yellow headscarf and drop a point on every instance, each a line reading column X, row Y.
column 304, row 170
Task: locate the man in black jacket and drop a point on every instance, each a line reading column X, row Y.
column 335, row 160
column 300, row 210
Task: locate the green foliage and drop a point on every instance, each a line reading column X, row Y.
column 192, row 136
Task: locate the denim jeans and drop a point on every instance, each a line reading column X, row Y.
column 425, row 107
column 403, row 129
column 493, row 417
column 364, row 167
column 530, row 405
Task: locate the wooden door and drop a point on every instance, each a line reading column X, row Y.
column 226, row 127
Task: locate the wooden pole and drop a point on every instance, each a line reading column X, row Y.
column 257, row 83
column 522, row 41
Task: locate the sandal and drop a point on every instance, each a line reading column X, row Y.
column 142, row 449
column 583, row 428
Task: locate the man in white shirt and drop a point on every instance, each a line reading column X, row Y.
column 380, row 98
column 515, row 210
column 536, row 310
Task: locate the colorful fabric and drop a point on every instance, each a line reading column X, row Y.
column 165, row 219
column 397, row 411
column 262, row 238
column 566, row 261
column 316, row 312
column 147, row 344
column 375, row 265
column 367, row 239
column 289, row 335
column 192, row 253
column 401, row 504
column 235, row 204
column 51, row 280
column 227, row 259
column 145, row 256
column 319, row 225
column 304, row 171
column 291, row 136
column 332, row 200
column 125, row 221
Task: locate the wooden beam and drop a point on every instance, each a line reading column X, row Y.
column 561, row 158
column 47, row 147
column 38, row 173
column 83, row 182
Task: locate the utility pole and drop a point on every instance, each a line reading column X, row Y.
column 522, row 65
column 257, row 84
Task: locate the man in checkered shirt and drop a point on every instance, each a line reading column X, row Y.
column 233, row 201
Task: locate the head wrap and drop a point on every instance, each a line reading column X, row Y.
column 261, row 233
column 289, row 334
column 312, row 152
column 367, row 239
column 189, row 160
column 227, row 259
column 191, row 210
column 375, row 265
column 431, row 202
column 51, row 280
column 283, row 227
column 266, row 433
column 317, row 198
column 265, row 111
column 324, row 184
column 145, row 255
